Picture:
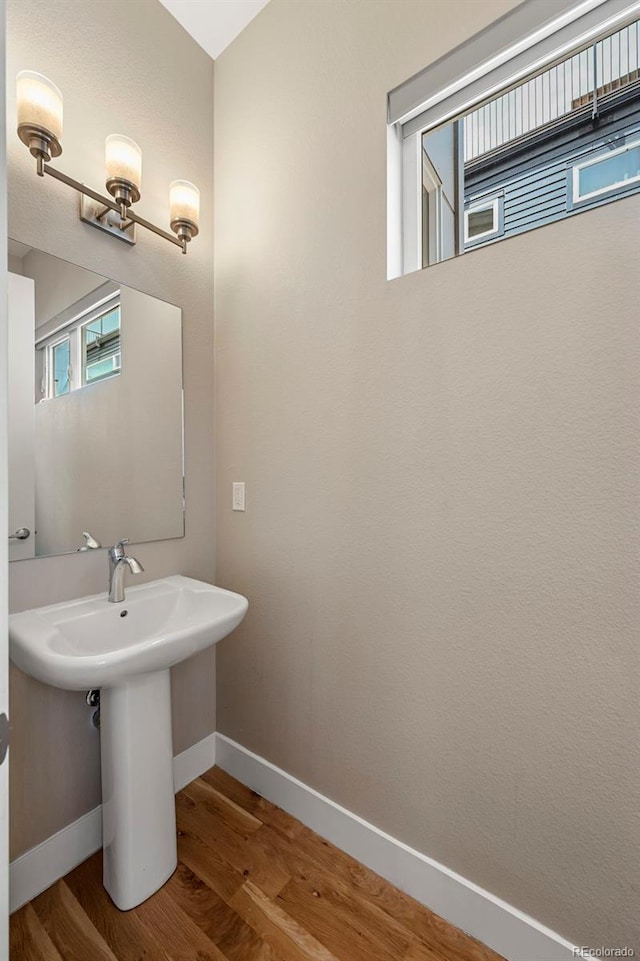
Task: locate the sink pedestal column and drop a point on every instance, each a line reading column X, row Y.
column 138, row 803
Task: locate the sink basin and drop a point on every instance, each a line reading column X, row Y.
column 126, row 650
column 92, row 643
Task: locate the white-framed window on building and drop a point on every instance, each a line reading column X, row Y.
column 482, row 220
column 608, row 172
column 85, row 349
column 534, row 119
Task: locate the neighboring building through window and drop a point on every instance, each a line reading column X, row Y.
column 563, row 141
column 86, row 349
column 549, row 145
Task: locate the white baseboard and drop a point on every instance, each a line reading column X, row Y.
column 37, row 869
column 193, row 762
column 497, row 924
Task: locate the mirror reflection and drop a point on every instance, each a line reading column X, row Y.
column 95, row 410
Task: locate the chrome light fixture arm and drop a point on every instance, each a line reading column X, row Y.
column 127, row 215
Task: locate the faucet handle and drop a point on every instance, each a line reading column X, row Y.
column 90, row 542
column 117, row 551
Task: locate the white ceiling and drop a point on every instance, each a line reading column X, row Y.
column 214, row 23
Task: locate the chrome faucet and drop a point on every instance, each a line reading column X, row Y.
column 118, row 563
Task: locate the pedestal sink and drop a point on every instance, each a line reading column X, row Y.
column 126, row 650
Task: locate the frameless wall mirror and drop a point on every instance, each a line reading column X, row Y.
column 95, row 410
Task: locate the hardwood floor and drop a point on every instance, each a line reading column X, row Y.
column 252, row 884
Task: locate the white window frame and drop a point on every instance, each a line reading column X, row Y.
column 527, row 40
column 475, row 207
column 92, row 380
column 72, row 331
column 87, row 319
column 49, row 367
column 432, row 183
column 579, row 198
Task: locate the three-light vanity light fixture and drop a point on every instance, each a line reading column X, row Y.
column 40, row 129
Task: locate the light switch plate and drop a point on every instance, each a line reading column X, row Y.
column 238, row 495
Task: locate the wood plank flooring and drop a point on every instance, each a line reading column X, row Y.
column 252, row 884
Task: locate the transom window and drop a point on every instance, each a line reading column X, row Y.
column 101, row 346
column 503, row 148
column 85, row 350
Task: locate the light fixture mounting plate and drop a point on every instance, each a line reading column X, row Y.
column 110, row 223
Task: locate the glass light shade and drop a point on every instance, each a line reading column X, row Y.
column 123, row 159
column 39, row 103
column 184, row 202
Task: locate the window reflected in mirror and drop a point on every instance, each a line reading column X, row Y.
column 95, row 408
column 83, row 350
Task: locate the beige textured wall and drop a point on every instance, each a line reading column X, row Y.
column 59, row 284
column 441, row 483
column 149, row 80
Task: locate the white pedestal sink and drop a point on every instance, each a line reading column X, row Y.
column 126, row 650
